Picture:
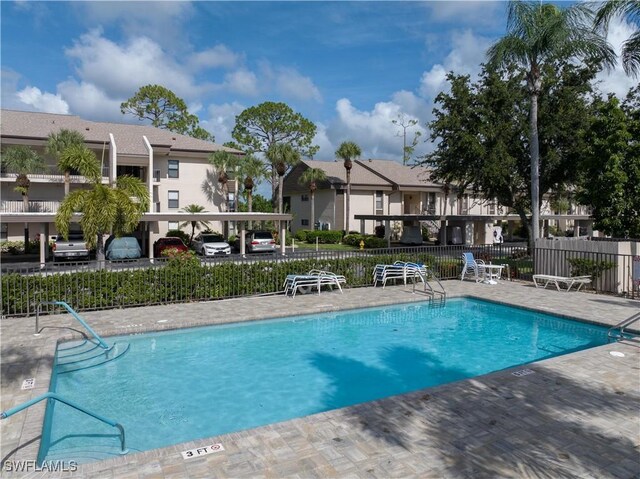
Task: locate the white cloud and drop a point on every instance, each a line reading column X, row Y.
column 467, row 53
column 373, row 130
column 242, row 81
column 90, row 102
column 120, row 70
column 327, row 147
column 162, row 21
column 617, row 81
column 221, row 120
column 217, row 57
column 289, row 82
column 42, row 101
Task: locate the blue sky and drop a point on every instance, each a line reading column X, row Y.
column 350, row 67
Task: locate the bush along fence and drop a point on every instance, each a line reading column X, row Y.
column 186, row 278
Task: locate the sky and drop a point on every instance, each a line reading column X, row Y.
column 349, row 67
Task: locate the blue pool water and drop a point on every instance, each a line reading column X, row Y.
column 176, row 386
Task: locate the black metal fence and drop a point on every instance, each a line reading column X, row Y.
column 93, row 285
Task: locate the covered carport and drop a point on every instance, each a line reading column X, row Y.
column 41, row 222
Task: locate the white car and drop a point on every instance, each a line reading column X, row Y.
column 210, row 244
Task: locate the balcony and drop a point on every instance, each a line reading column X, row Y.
column 35, row 206
column 53, row 175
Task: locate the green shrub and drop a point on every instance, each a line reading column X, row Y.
column 178, row 234
column 324, row 237
column 353, row 239
column 590, row 267
column 372, row 242
column 301, row 235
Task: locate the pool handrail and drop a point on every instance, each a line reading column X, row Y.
column 622, row 325
column 57, row 397
column 422, row 274
column 73, row 313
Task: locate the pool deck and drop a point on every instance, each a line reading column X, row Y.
column 576, row 415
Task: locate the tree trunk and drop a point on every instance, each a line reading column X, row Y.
column 535, row 168
column 348, row 213
column 100, row 249
column 25, row 208
column 67, row 183
column 280, row 182
column 250, row 205
column 274, row 185
column 313, row 210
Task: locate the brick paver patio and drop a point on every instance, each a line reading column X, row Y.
column 576, row 416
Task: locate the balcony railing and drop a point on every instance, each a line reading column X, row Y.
column 53, row 175
column 35, row 206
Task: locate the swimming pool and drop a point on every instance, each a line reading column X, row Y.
column 176, row 386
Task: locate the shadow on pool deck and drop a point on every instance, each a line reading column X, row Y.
column 472, row 426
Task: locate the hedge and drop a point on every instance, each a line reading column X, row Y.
column 185, row 279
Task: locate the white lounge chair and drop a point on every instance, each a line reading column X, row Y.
column 471, row 265
column 568, row 281
column 399, row 270
column 314, row 279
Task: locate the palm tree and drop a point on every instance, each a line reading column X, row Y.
column 537, row 34
column 104, row 208
column 23, row 161
column 224, row 163
column 631, row 47
column 195, row 224
column 311, row 177
column 347, row 151
column 252, row 170
column 57, row 143
column 282, row 156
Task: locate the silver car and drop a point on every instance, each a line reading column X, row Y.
column 257, row 241
column 208, row 244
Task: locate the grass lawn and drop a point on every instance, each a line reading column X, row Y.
column 324, row 247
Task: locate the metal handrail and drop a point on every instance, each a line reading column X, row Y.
column 73, row 313
column 424, row 279
column 622, row 325
column 57, row 397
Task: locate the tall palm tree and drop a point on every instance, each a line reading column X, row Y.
column 310, row 178
column 196, row 224
column 347, row 151
column 536, row 34
column 104, row 208
column 282, row 156
column 252, row 170
column 225, row 163
column 631, row 47
column 23, row 161
column 57, row 143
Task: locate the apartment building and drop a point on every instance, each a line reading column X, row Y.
column 174, row 167
column 385, row 192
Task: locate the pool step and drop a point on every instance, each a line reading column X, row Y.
column 90, row 357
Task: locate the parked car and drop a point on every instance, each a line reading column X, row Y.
column 210, row 244
column 168, row 243
column 257, row 241
column 126, row 247
column 72, row 248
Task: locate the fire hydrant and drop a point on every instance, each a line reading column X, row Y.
column 361, row 244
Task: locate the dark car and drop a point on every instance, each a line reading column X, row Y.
column 126, row 247
column 167, row 244
column 257, row 241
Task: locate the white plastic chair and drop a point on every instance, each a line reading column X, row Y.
column 471, row 266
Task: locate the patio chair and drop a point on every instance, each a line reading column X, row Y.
column 568, row 281
column 398, row 270
column 314, row 279
column 471, row 265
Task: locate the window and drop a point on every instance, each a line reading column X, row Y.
column 174, row 225
column 4, row 231
column 174, row 169
column 304, row 197
column 492, row 208
column 174, row 199
column 431, row 203
column 379, row 203
column 304, row 222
